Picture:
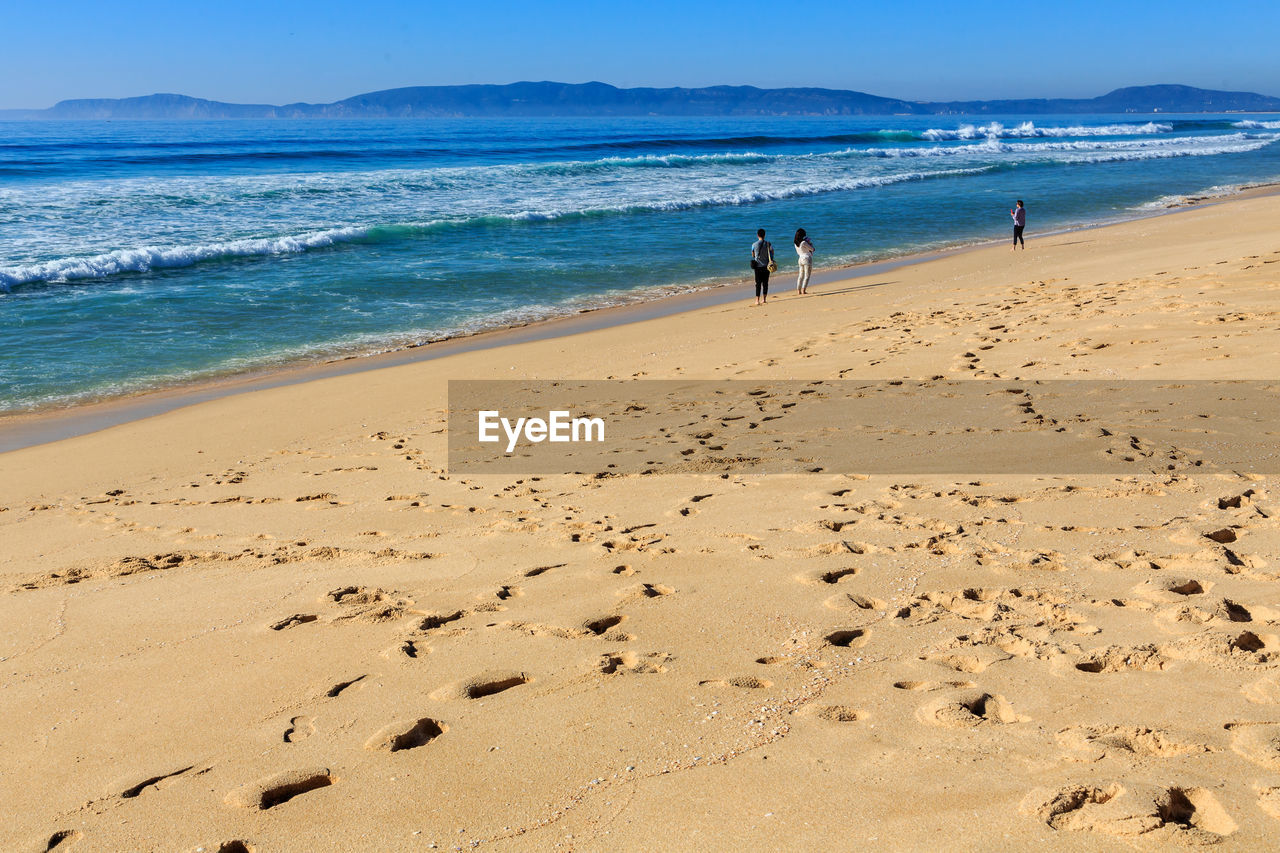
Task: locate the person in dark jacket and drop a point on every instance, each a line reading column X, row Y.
column 761, row 257
column 1019, row 215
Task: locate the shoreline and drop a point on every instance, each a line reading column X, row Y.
column 54, row 422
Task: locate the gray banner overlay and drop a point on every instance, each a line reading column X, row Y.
column 864, row 426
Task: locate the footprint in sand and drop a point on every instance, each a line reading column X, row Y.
column 324, row 497
column 342, row 686
column 1092, row 743
column 1031, row 641
column 606, row 627
column 643, row 591
column 1269, row 801
column 831, row 576
column 747, row 682
column 980, row 604
column 1229, row 611
column 827, row 549
column 272, row 791
column 368, row 605
column 928, row 686
column 1245, row 647
column 1181, row 816
column 128, row 790
column 300, row 728
column 1223, row 535
column 1171, row 588
column 1258, row 742
column 293, row 621
column 854, row 601
column 1237, row 501
column 689, row 511
column 971, row 661
column 480, row 686
column 1117, row 659
column 967, row 709
column 61, row 840
column 848, row 638
column 624, row 662
column 406, row 734
column 535, row 629
column 434, row 621
column 1264, row 691
column 834, row 713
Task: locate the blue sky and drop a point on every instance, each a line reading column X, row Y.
column 320, row 51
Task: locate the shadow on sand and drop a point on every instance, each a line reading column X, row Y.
column 853, row 289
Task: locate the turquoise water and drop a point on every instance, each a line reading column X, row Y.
column 138, row 255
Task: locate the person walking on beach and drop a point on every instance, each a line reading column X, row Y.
column 761, row 260
column 804, row 248
column 1019, row 215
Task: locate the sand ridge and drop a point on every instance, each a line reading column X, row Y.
column 275, row 622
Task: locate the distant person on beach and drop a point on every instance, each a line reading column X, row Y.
column 1019, row 215
column 804, row 248
column 761, row 259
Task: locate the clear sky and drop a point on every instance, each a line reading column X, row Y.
column 279, row 51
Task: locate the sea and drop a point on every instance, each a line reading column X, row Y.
column 143, row 255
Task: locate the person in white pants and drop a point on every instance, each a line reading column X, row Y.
column 804, row 248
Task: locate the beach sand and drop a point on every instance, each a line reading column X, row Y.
column 272, row 621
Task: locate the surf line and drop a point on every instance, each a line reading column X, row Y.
column 559, row 426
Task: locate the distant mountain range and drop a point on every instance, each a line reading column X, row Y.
column 601, row 99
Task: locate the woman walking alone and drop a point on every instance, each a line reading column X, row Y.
column 804, row 248
column 1019, row 215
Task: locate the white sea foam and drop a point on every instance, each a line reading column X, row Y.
column 1028, row 130
column 1216, row 192
column 675, row 197
column 662, row 160
column 1129, row 148
column 147, row 258
column 1250, row 124
column 783, row 191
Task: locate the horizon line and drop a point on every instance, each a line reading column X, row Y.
column 622, row 89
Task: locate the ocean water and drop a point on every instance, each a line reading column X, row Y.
column 140, row 255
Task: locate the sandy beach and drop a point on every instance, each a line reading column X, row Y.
column 275, row 621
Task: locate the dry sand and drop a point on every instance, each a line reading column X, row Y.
column 272, row 621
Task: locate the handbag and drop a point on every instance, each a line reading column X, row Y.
column 771, row 266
